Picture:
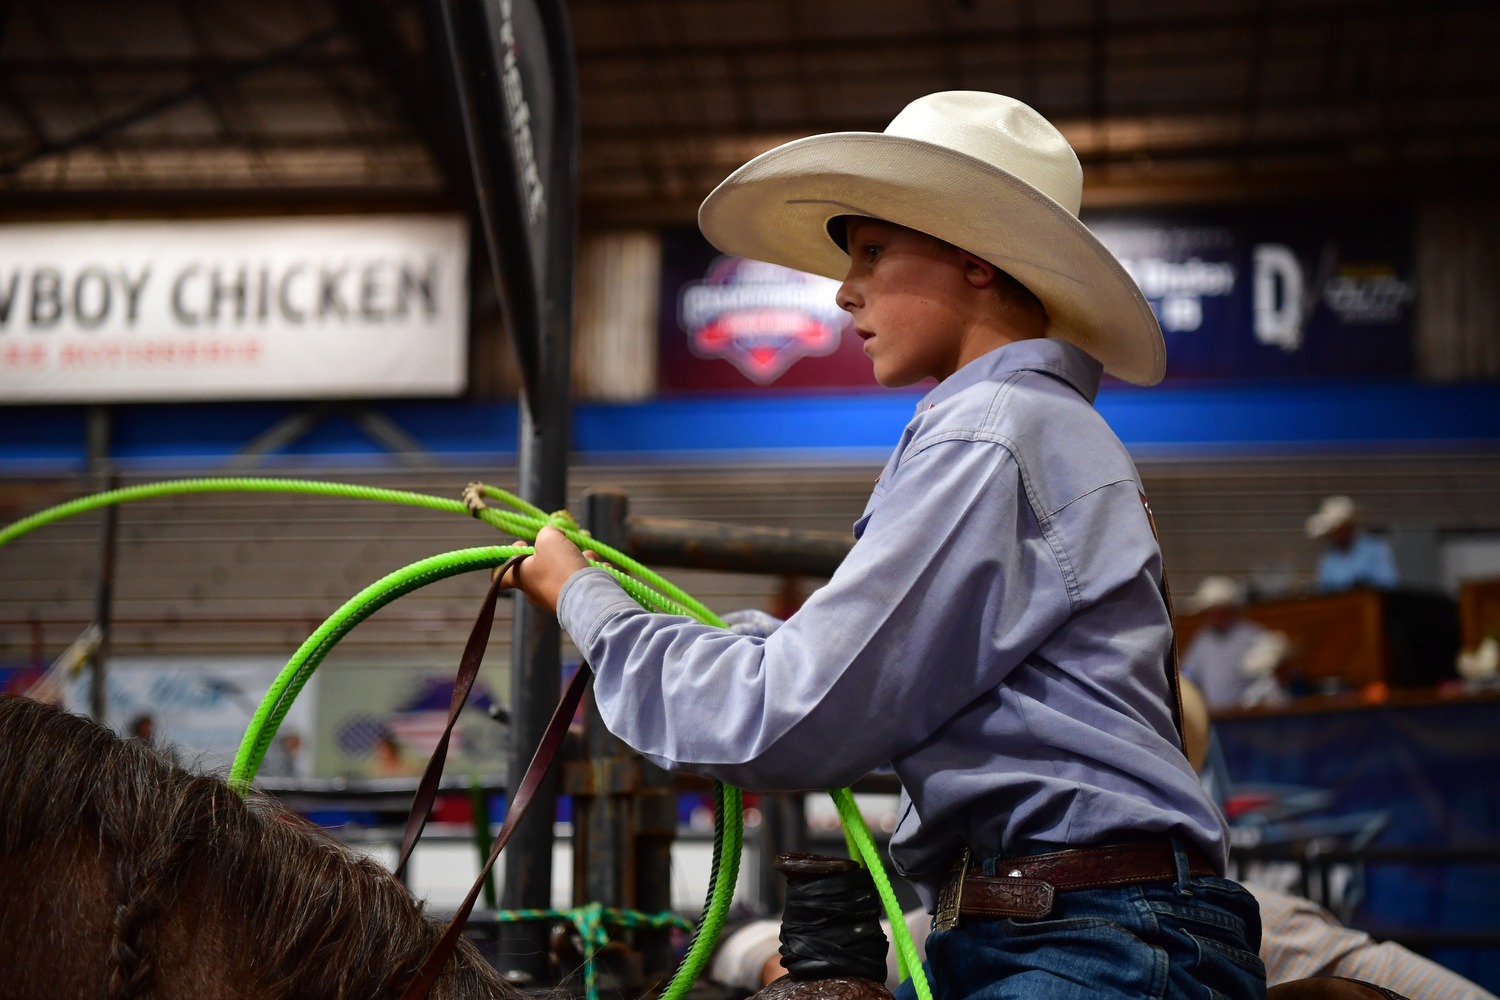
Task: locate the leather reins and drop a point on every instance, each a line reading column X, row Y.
column 541, row 763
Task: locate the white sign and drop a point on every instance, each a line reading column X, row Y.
column 199, row 708
column 359, row 306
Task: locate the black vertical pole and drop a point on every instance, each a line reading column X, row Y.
column 509, row 65
column 601, row 833
column 103, row 607
column 99, row 432
column 535, row 686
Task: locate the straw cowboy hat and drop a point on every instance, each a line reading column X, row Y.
column 1195, row 723
column 1334, row 513
column 981, row 171
column 1216, row 592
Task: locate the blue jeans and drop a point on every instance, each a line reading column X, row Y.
column 1194, row 939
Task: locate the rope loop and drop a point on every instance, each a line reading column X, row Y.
column 523, row 520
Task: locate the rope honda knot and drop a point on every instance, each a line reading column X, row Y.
column 563, row 521
column 474, row 498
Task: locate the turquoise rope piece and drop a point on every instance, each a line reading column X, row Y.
column 589, row 921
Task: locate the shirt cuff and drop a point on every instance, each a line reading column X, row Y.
column 588, row 599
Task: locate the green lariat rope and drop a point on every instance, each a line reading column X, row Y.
column 523, row 520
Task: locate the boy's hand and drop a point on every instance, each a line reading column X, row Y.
column 541, row 577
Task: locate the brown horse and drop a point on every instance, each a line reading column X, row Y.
column 125, row 876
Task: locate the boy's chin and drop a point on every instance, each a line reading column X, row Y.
column 896, row 380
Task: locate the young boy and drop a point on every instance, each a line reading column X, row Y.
column 999, row 632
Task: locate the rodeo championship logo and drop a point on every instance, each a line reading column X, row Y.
column 760, row 317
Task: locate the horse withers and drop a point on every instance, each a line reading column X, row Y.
column 124, row 876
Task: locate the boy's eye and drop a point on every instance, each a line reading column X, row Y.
column 871, row 251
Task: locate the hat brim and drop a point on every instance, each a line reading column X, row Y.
column 1323, row 525
column 1198, row 605
column 777, row 208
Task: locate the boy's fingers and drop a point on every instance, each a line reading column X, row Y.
column 508, row 572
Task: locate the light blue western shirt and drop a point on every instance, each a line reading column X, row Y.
column 1368, row 561
column 997, row 634
column 1215, row 660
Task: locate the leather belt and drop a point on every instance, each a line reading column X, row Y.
column 1028, row 883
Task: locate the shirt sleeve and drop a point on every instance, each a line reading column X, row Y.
column 949, row 587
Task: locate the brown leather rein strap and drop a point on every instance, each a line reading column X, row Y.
column 463, row 683
column 541, row 763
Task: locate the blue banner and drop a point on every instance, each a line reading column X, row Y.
column 1278, row 293
column 1245, row 294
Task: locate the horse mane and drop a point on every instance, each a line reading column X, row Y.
column 125, row 876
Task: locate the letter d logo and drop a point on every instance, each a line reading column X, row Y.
column 1278, row 318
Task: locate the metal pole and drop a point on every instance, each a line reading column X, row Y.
column 103, row 478
column 664, row 541
column 634, row 821
column 535, row 686
column 601, row 836
column 510, row 69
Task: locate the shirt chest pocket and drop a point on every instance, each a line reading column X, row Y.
column 877, row 496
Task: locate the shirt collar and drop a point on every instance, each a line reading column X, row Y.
column 1048, row 355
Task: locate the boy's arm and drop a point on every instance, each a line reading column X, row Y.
column 940, row 598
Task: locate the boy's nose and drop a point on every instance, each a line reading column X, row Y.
column 846, row 297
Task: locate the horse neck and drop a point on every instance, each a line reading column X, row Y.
column 123, row 876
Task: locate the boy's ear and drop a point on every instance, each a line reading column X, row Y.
column 980, row 272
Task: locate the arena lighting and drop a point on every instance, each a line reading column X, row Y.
column 1117, row 136
column 1112, row 137
column 151, row 168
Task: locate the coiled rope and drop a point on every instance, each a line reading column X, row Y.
column 522, row 520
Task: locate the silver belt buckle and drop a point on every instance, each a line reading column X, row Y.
column 950, row 896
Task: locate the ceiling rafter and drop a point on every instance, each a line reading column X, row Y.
column 1172, row 96
column 109, row 126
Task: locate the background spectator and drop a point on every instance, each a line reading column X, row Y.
column 1235, row 662
column 1352, row 557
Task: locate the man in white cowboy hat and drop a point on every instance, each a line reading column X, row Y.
column 999, row 633
column 1352, row 557
column 1233, row 660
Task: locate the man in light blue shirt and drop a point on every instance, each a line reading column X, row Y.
column 1233, row 660
column 1352, row 557
column 999, row 633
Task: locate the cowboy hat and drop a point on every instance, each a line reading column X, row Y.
column 981, row 171
column 1216, row 592
column 1195, row 723
column 1333, row 513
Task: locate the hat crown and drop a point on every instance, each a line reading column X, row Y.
column 1000, row 131
column 1217, row 592
column 1332, row 513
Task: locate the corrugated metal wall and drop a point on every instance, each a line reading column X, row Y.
column 256, row 573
